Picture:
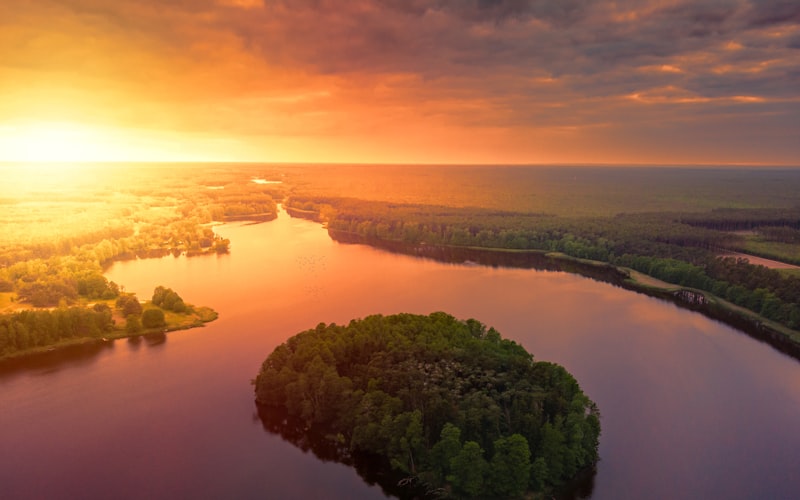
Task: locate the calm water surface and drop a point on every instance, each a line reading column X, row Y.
column 690, row 408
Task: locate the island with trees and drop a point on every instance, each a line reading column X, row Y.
column 447, row 407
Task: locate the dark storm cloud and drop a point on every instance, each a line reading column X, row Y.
column 477, row 39
column 437, row 38
column 771, row 12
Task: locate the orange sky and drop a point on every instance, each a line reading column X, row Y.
column 426, row 81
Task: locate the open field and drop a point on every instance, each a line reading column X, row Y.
column 760, row 261
column 786, row 252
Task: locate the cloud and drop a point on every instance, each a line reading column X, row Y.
column 326, row 67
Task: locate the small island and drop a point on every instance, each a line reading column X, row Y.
column 449, row 407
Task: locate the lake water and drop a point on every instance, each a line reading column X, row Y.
column 690, row 407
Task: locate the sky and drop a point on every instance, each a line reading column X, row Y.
column 391, row 81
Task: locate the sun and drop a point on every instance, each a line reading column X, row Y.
column 71, row 142
column 55, row 142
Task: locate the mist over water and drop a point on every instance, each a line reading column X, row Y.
column 690, row 407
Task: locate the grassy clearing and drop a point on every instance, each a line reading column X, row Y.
column 648, row 281
column 784, row 252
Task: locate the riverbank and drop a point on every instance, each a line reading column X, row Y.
column 778, row 336
column 197, row 318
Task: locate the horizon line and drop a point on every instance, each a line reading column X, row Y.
column 401, row 164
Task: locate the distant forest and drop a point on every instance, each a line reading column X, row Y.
column 678, row 225
column 685, row 249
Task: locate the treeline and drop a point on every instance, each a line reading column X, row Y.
column 782, row 234
column 57, row 281
column 677, row 248
column 29, row 329
column 175, row 222
column 62, row 271
column 59, row 246
column 150, row 239
column 447, row 402
column 741, row 219
column 139, row 318
column 240, row 201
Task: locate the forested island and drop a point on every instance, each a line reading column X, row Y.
column 452, row 408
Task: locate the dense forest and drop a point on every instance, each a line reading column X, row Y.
column 684, row 249
column 447, row 403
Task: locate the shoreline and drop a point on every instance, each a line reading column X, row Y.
column 199, row 321
column 756, row 326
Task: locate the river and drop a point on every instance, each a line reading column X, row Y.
column 691, row 408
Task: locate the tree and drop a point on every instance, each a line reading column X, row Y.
column 447, row 448
column 539, row 474
column 132, row 324
column 129, row 305
column 166, row 298
column 553, row 450
column 469, row 470
column 153, row 318
column 510, row 467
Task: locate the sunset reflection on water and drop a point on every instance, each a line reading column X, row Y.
column 688, row 405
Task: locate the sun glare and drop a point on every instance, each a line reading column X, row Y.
column 68, row 142
column 55, row 142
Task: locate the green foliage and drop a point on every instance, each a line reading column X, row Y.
column 96, row 286
column 445, row 450
column 129, row 305
column 677, row 248
column 133, row 324
column 510, row 468
column 153, row 318
column 47, row 293
column 430, row 394
column 29, row 329
column 167, row 299
column 469, row 470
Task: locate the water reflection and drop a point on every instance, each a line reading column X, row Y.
column 372, row 469
column 155, row 339
column 51, row 362
column 375, row 470
column 691, row 408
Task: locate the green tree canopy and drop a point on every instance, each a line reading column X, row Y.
column 129, row 305
column 449, row 402
column 153, row 318
column 167, row 299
